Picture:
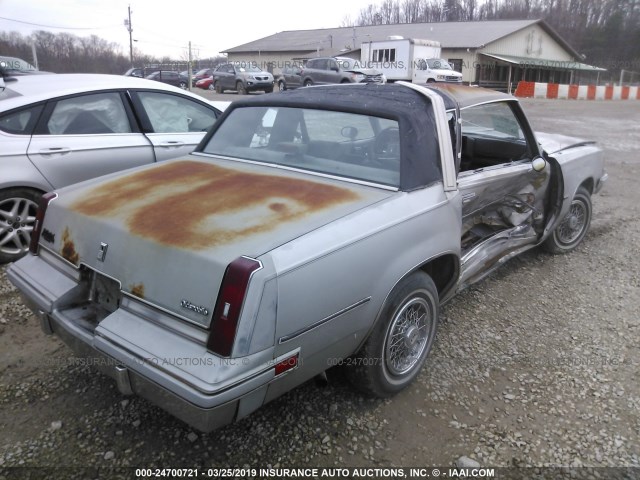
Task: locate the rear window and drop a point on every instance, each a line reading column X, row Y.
column 349, row 145
column 20, row 122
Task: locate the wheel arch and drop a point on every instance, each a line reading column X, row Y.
column 28, row 185
column 444, row 270
column 588, row 184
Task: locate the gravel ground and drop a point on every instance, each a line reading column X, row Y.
column 535, row 366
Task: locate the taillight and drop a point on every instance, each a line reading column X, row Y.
column 45, row 200
column 229, row 305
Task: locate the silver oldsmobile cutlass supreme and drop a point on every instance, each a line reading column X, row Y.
column 308, row 226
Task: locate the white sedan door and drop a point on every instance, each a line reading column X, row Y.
column 175, row 124
column 86, row 136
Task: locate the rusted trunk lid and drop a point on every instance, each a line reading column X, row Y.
column 167, row 232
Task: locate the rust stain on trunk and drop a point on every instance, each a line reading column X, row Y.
column 196, row 205
column 68, row 248
column 137, row 290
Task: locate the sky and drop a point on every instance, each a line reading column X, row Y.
column 165, row 28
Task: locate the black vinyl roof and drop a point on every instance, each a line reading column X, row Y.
column 390, row 100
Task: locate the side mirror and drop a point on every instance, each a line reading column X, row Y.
column 539, row 164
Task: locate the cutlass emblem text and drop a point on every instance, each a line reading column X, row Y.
column 195, row 308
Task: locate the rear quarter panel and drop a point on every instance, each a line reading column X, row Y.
column 350, row 266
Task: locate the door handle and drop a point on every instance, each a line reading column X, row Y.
column 467, row 197
column 171, row 143
column 54, row 150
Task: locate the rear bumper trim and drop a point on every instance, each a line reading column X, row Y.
column 130, row 381
column 122, row 380
column 45, row 324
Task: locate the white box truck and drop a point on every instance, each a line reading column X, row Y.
column 410, row 59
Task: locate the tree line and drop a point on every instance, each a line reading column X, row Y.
column 68, row 53
column 607, row 32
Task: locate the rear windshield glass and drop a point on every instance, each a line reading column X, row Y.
column 360, row 147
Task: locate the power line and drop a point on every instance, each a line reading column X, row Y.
column 54, row 26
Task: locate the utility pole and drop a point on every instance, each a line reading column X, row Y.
column 35, row 55
column 127, row 23
column 189, row 67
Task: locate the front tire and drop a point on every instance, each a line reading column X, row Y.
column 282, row 86
column 217, row 87
column 183, row 85
column 17, row 217
column 393, row 355
column 240, row 88
column 573, row 227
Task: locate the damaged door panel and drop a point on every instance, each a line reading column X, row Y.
column 503, row 196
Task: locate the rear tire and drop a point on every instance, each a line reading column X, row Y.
column 573, row 227
column 308, row 83
column 183, row 85
column 17, row 218
column 396, row 350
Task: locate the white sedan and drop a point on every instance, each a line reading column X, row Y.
column 56, row 130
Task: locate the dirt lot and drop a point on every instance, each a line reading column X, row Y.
column 535, row 366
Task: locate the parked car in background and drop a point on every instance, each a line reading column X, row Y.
column 290, row 78
column 56, row 130
column 170, row 78
column 140, row 72
column 202, row 74
column 437, row 70
column 317, row 227
column 205, row 83
column 242, row 77
column 324, row 71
